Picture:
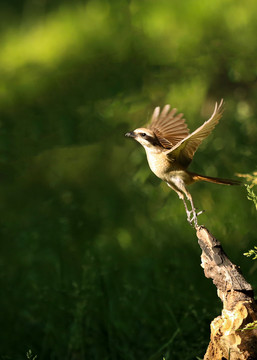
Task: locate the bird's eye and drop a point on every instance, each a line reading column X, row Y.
column 143, row 134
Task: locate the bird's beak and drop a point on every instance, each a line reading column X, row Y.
column 131, row 134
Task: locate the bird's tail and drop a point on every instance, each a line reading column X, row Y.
column 197, row 177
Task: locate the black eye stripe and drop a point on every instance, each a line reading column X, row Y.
column 153, row 140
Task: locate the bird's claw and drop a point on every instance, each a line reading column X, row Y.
column 192, row 216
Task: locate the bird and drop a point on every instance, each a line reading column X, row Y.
column 170, row 148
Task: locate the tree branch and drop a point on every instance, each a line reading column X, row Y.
column 228, row 341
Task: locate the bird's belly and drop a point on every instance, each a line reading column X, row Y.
column 178, row 176
column 159, row 164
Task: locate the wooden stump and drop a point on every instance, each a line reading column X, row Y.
column 228, row 341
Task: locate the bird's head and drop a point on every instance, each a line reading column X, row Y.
column 145, row 137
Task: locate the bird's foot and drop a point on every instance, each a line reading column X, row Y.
column 192, row 216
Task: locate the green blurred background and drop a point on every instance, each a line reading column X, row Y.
column 97, row 259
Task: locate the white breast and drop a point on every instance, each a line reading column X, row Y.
column 158, row 163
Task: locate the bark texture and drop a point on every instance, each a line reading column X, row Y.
column 228, row 341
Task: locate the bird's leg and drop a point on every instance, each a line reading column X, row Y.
column 181, row 195
column 194, row 213
column 179, row 186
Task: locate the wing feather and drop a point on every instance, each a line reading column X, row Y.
column 169, row 127
column 184, row 150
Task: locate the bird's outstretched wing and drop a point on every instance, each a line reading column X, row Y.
column 169, row 127
column 184, row 150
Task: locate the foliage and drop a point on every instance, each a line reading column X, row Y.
column 252, row 196
column 97, row 259
column 252, row 252
column 252, row 179
column 250, row 326
column 30, row 355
